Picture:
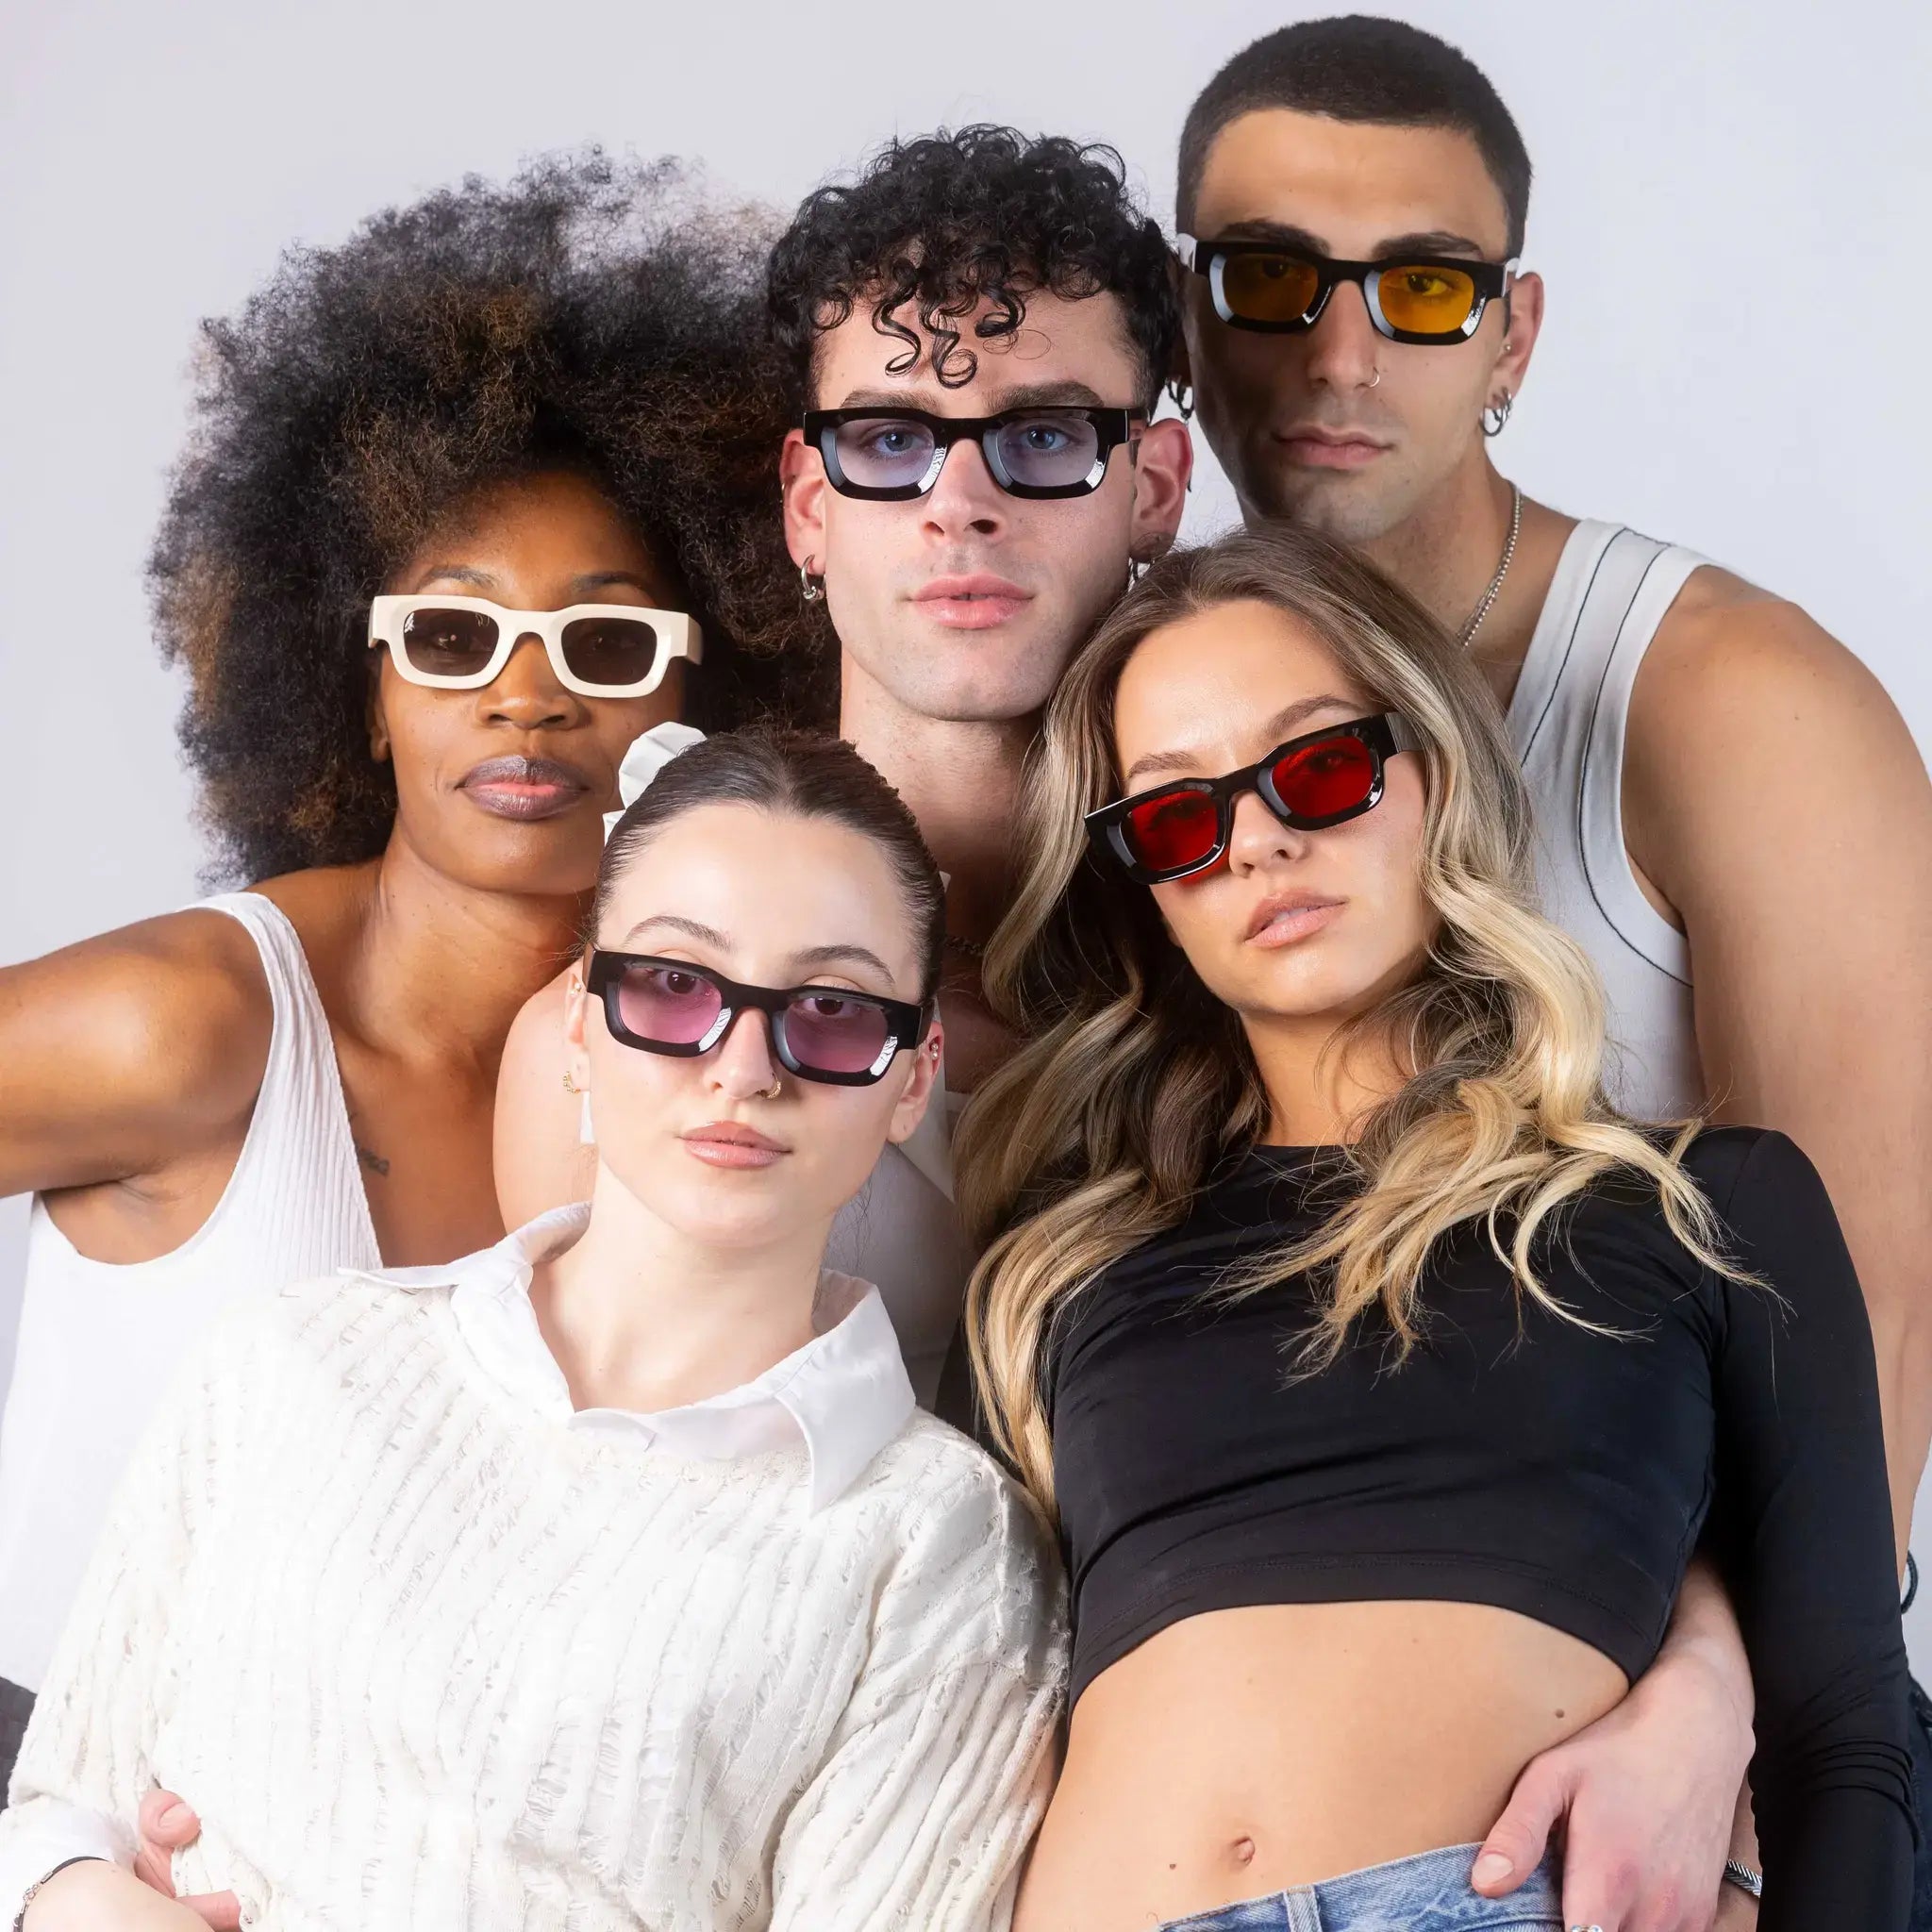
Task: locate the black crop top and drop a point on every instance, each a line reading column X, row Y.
column 1517, row 1459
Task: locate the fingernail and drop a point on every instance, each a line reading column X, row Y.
column 1491, row 1867
column 174, row 1817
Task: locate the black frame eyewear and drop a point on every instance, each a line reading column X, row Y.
column 1211, row 258
column 1111, row 428
column 906, row 1023
column 1383, row 734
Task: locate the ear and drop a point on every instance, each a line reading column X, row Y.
column 916, row 1094
column 1519, row 336
column 576, row 1009
column 801, row 483
column 1163, row 462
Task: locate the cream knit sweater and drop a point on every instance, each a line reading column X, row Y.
column 424, row 1661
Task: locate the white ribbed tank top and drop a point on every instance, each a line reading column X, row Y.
column 99, row 1342
column 1568, row 719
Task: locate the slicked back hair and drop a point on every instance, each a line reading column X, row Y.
column 1359, row 67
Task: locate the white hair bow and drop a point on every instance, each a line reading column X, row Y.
column 646, row 758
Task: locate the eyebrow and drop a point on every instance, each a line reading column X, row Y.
column 1067, row 394
column 805, row 961
column 1284, row 722
column 581, row 587
column 1420, row 242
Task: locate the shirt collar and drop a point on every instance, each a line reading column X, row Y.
column 846, row 1391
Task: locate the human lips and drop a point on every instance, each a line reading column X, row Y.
column 975, row 602
column 1285, row 918
column 732, row 1144
column 525, row 788
column 1313, row 447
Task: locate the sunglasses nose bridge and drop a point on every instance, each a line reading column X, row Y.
column 965, row 492
column 743, row 1059
column 1257, row 831
column 1344, row 343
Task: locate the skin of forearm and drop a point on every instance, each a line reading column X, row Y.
column 1702, row 1625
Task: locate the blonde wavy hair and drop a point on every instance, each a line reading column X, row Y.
column 1136, row 1082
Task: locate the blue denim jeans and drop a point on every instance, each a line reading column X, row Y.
column 1427, row 1894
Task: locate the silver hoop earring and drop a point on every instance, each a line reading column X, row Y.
column 811, row 585
column 1496, row 415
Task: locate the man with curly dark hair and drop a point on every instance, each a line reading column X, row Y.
column 975, row 332
column 468, row 498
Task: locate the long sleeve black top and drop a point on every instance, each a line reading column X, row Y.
column 1519, row 1459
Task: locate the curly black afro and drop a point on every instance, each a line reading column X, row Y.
column 946, row 222
column 592, row 315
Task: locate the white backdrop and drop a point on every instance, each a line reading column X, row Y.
column 1728, row 208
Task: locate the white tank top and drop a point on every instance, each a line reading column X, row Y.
column 1567, row 720
column 99, row 1342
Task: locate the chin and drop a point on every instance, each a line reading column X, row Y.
column 548, row 858
column 1345, row 509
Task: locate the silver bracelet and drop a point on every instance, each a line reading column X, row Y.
column 1744, row 1879
column 32, row 1891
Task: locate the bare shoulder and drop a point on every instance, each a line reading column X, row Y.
column 173, row 1008
column 1746, row 714
column 1729, row 653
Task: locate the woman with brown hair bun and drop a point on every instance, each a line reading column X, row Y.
column 471, row 500
column 1382, row 1377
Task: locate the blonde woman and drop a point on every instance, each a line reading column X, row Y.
column 1382, row 1377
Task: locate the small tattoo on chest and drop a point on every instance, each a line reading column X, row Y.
column 374, row 1162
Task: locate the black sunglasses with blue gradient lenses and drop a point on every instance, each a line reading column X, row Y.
column 892, row 456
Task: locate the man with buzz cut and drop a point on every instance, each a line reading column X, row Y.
column 1734, row 820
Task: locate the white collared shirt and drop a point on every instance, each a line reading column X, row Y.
column 846, row 1392
column 425, row 1645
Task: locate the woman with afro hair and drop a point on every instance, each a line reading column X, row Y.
column 412, row 455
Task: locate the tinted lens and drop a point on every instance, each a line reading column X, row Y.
column 610, row 650
column 836, row 1036
column 1427, row 301
column 1334, row 774
column 448, row 644
column 1173, row 830
column 884, row 452
column 1049, row 450
column 664, row 1004
column 1264, row 287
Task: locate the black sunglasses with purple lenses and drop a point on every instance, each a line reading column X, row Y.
column 828, row 1033
column 1324, row 778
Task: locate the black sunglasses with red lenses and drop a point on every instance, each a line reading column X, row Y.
column 826, row 1033
column 1311, row 783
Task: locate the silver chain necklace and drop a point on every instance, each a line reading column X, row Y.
column 1482, row 610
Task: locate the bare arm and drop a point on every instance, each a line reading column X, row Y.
column 539, row 1155
column 126, row 1053
column 1647, row 1795
column 1774, row 796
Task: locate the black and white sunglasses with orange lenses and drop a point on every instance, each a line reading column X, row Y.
column 1322, row 779
column 828, row 1033
column 1281, row 290
column 596, row 650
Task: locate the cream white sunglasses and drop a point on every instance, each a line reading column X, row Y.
column 597, row 650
